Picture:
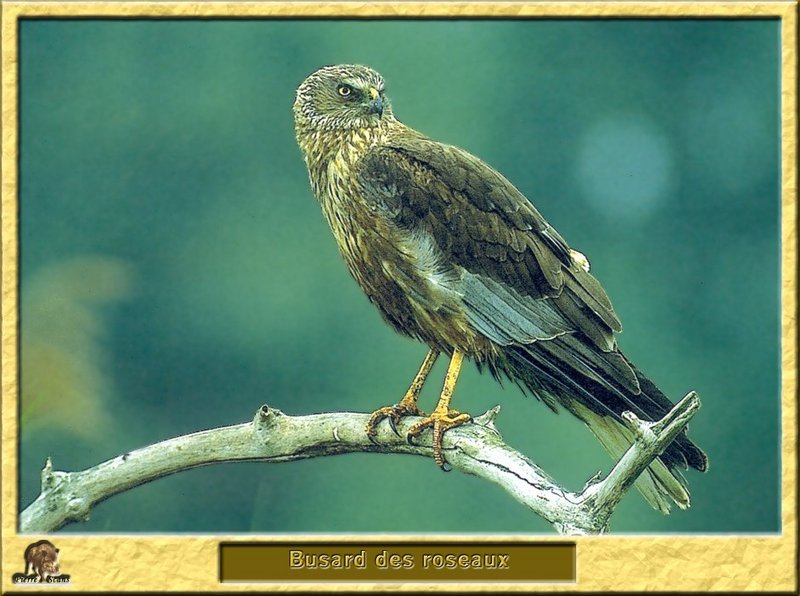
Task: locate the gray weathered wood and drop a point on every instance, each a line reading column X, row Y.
column 273, row 436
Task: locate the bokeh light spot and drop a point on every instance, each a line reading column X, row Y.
column 624, row 167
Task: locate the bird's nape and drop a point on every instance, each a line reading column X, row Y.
column 341, row 97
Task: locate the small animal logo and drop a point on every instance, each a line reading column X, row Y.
column 41, row 565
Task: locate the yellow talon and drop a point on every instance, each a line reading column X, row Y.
column 441, row 421
column 394, row 414
column 443, row 418
column 407, row 405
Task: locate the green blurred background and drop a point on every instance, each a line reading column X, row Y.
column 177, row 273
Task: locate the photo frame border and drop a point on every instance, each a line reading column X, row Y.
column 189, row 562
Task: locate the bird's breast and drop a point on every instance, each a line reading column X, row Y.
column 402, row 271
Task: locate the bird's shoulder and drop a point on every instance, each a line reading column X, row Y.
column 480, row 221
column 470, row 182
column 476, row 214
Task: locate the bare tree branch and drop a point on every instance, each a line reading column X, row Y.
column 273, row 436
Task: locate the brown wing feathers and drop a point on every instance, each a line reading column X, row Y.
column 489, row 227
column 521, row 286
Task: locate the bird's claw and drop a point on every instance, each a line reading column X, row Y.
column 393, row 420
column 441, row 421
column 394, row 414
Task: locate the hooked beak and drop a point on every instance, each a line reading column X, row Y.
column 376, row 102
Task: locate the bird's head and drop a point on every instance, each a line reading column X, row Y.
column 346, row 96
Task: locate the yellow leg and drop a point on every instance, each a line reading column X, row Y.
column 407, row 405
column 419, row 380
column 443, row 418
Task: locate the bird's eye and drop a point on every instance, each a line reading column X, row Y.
column 344, row 90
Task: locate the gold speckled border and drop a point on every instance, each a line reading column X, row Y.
column 607, row 563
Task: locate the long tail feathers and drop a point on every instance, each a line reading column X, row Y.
column 660, row 485
column 599, row 401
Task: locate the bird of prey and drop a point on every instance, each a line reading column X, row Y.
column 453, row 255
